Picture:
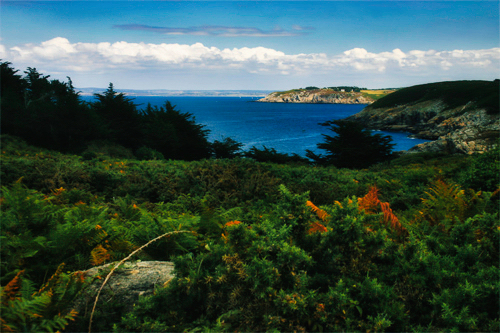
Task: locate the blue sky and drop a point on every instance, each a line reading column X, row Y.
column 270, row 45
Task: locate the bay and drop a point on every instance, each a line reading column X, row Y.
column 288, row 128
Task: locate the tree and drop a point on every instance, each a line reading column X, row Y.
column 227, row 148
column 353, row 147
column 174, row 134
column 12, row 88
column 48, row 113
column 120, row 118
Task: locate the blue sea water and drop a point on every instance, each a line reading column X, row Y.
column 288, row 128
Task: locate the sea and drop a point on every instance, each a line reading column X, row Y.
column 287, row 127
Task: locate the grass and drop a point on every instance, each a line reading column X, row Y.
column 377, row 94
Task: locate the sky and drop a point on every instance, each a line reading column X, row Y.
column 252, row 45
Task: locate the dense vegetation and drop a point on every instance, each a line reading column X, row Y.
column 483, row 94
column 411, row 244
column 272, row 244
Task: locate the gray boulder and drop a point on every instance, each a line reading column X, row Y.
column 126, row 284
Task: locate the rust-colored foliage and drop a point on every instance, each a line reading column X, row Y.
column 11, row 290
column 371, row 204
column 316, row 226
column 99, row 255
column 48, row 285
column 4, row 327
column 319, row 212
column 230, row 223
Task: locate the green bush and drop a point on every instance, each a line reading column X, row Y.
column 146, row 153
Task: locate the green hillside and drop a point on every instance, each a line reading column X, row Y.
column 484, row 94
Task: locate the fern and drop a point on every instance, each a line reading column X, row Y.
column 371, row 204
column 319, row 212
column 317, row 227
column 445, row 204
column 322, row 215
column 99, row 255
column 43, row 311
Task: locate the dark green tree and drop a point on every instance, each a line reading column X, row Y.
column 227, row 148
column 174, row 134
column 120, row 118
column 353, row 146
column 48, row 113
column 12, row 87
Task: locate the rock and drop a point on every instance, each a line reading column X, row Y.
column 126, row 284
column 464, row 129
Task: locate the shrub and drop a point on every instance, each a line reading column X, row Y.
column 146, row 153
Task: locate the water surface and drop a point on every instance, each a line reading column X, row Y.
column 288, row 128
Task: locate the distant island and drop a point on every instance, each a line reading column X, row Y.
column 180, row 93
column 329, row 95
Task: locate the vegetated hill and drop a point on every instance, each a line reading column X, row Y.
column 331, row 95
column 461, row 116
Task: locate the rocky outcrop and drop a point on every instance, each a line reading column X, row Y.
column 326, row 96
column 470, row 133
column 126, row 284
column 464, row 129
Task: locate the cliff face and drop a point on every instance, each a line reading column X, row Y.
column 317, row 96
column 457, row 124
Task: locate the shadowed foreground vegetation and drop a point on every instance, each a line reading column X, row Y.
column 406, row 245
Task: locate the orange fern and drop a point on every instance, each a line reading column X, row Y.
column 370, row 203
column 11, row 290
column 230, row 223
column 319, row 212
column 317, row 227
column 322, row 215
column 99, row 255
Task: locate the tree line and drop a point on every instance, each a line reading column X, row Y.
column 50, row 114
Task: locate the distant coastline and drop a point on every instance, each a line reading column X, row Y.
column 330, row 95
column 180, row 93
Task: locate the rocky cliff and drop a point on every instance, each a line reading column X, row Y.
column 318, row 96
column 460, row 116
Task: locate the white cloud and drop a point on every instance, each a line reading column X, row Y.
column 60, row 55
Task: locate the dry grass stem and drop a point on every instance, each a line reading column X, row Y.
column 121, row 262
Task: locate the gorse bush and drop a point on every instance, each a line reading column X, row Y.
column 356, row 273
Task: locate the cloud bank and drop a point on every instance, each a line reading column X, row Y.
column 59, row 54
column 221, row 31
